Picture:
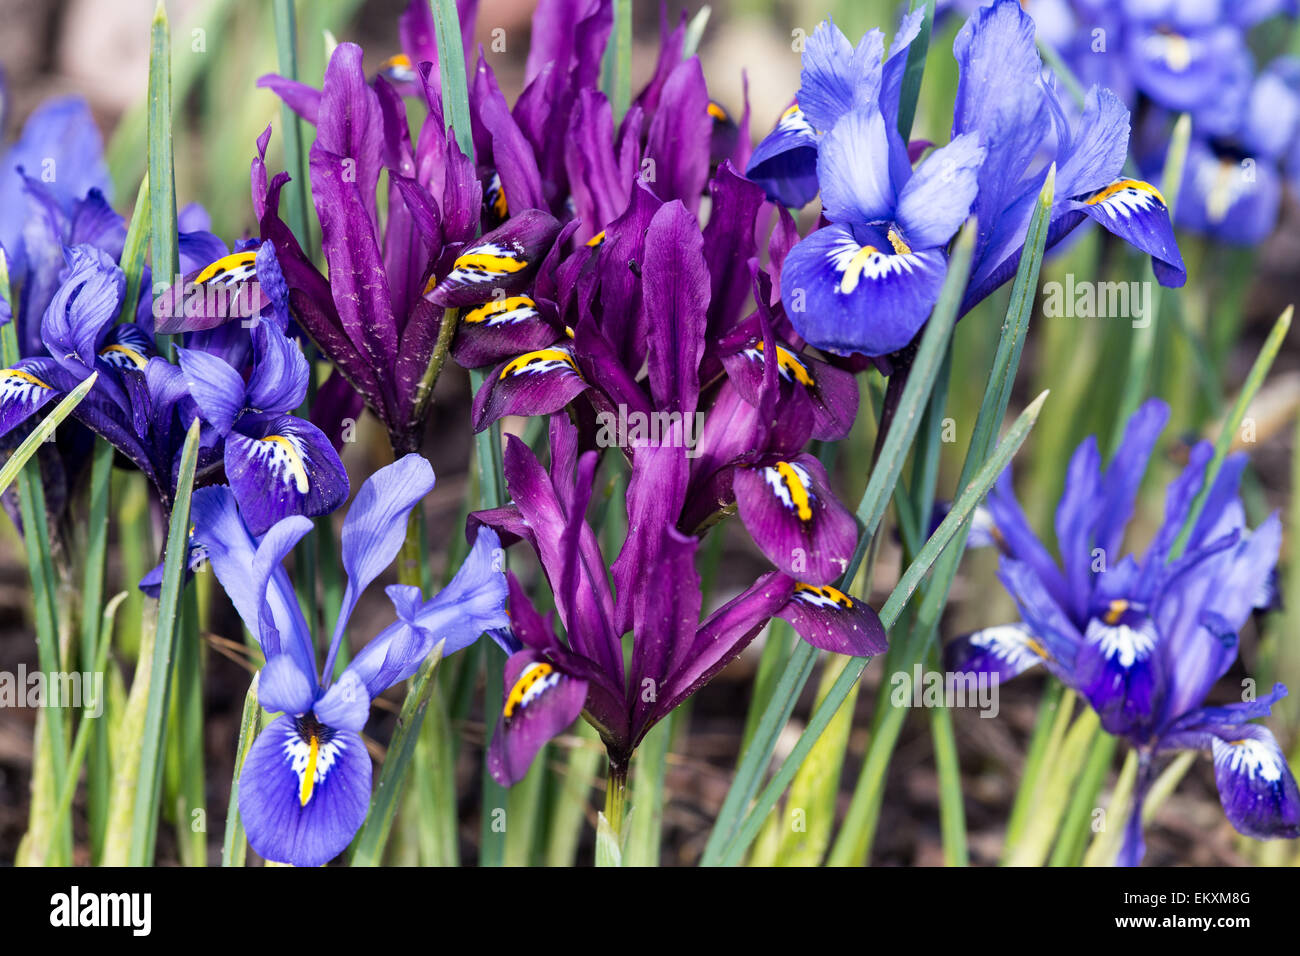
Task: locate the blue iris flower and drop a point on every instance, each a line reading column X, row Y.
column 304, row 789
column 867, row 281
column 1144, row 639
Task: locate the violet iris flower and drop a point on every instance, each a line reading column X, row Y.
column 882, row 255
column 748, row 452
column 304, row 789
column 1005, row 95
column 836, row 79
column 550, row 680
column 1145, row 639
column 52, row 178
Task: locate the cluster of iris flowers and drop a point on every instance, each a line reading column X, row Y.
column 594, row 263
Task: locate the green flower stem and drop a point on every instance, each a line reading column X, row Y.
column 645, row 824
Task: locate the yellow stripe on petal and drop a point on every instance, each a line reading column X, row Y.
column 487, row 263
column 309, row 775
column 130, row 354
column 789, row 363
column 543, row 360
column 293, row 460
column 822, row 595
column 499, row 307
column 232, row 268
column 1119, row 186
column 533, row 681
column 791, row 483
column 24, row 376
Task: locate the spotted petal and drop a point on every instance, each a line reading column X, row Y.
column 785, row 162
column 1136, row 212
column 1118, row 669
column 540, row 702
column 283, row 466
column 24, row 389
column 795, row 519
column 831, row 620
column 499, row 330
column 847, row 295
column 501, row 263
column 535, row 383
column 1256, row 786
column 304, row 791
column 833, row 391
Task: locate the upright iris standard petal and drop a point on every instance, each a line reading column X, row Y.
column 304, row 791
column 376, row 523
column 85, row 305
column 473, row 601
column 795, row 519
column 938, row 197
column 282, row 687
column 831, row 77
column 216, row 388
column 853, row 169
column 540, row 701
column 278, row 382
column 281, row 466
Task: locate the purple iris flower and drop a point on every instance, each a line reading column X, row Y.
column 764, row 400
column 550, row 680
column 305, row 786
column 1144, row 639
column 555, row 157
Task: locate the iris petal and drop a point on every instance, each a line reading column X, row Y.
column 845, row 296
column 281, row 769
column 283, row 466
